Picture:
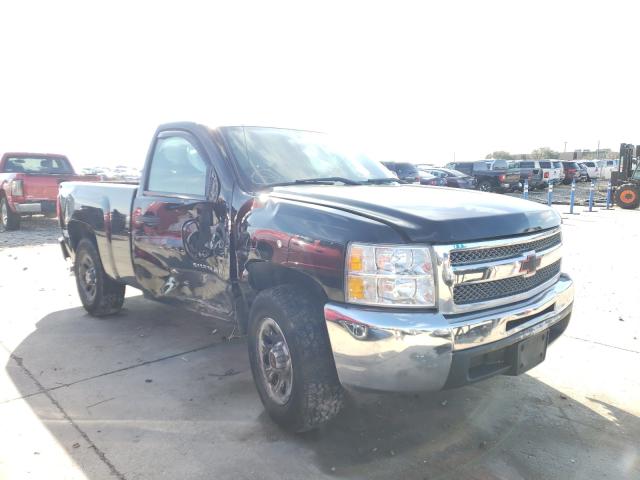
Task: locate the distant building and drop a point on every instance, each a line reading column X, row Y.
column 603, row 153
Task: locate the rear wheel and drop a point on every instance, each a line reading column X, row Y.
column 628, row 196
column 99, row 293
column 485, row 186
column 8, row 219
column 291, row 359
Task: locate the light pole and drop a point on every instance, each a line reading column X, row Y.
column 565, row 147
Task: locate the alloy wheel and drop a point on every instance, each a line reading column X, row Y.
column 274, row 360
column 87, row 276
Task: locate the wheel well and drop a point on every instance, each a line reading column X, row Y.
column 263, row 275
column 78, row 231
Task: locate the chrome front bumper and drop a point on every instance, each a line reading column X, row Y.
column 414, row 351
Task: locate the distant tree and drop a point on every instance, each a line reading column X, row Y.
column 544, row 152
column 499, row 155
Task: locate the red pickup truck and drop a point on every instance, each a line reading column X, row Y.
column 29, row 185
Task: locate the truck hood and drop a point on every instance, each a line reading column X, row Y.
column 430, row 214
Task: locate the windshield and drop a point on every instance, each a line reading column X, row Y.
column 268, row 156
column 41, row 165
column 453, row 173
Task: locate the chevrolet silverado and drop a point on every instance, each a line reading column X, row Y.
column 338, row 274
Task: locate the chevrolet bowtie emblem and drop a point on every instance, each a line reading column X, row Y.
column 529, row 266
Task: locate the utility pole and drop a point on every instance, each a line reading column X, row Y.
column 565, row 147
column 598, row 151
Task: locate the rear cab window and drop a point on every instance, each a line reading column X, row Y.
column 499, row 165
column 37, row 165
column 545, row 164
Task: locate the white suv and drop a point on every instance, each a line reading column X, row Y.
column 606, row 167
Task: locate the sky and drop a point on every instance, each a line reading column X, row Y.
column 411, row 81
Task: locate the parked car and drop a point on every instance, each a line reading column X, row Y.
column 593, row 171
column 405, row 171
column 551, row 174
column 452, row 178
column 530, row 171
column 490, row 175
column 583, row 172
column 337, row 273
column 427, row 178
column 29, row 185
column 571, row 172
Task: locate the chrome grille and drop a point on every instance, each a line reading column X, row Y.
column 479, row 292
column 467, row 257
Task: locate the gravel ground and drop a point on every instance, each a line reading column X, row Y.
column 157, row 392
column 33, row 231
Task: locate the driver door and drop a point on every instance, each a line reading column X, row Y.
column 178, row 235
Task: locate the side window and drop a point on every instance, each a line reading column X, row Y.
column 177, row 167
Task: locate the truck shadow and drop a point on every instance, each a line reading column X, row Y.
column 155, row 380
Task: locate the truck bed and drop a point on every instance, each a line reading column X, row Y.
column 106, row 209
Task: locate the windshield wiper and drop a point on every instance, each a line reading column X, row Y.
column 380, row 181
column 315, row 181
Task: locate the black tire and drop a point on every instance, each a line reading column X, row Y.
column 8, row 219
column 486, row 186
column 628, row 196
column 99, row 293
column 315, row 395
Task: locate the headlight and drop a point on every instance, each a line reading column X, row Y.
column 389, row 275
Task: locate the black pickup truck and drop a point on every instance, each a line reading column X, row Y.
column 490, row 175
column 338, row 274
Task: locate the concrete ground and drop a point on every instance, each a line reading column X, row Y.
column 159, row 393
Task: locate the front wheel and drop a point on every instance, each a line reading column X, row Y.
column 628, row 196
column 291, row 359
column 8, row 219
column 99, row 293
